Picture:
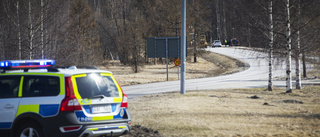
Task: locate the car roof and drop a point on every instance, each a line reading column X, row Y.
column 65, row 71
column 82, row 71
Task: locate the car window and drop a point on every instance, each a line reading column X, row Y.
column 93, row 85
column 9, row 86
column 41, row 86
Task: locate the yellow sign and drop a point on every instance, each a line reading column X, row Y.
column 177, row 62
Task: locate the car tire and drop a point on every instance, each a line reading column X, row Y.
column 25, row 129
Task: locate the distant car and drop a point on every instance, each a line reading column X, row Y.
column 234, row 42
column 216, row 43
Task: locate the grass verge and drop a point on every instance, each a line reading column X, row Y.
column 231, row 112
column 208, row 65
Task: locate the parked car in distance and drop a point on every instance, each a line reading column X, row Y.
column 216, row 43
column 234, row 42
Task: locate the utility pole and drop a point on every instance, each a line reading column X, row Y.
column 183, row 46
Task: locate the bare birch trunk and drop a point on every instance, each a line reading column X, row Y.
column 298, row 75
column 297, row 57
column 195, row 44
column 19, row 32
column 218, row 19
column 135, row 56
column 194, row 33
column 30, row 33
column 270, row 85
column 41, row 42
column 288, row 39
column 224, row 20
column 304, row 66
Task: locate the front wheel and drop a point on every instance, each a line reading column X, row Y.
column 29, row 129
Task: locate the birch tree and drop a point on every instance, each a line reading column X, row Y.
column 136, row 49
column 82, row 37
column 31, row 31
column 18, row 27
column 15, row 19
column 299, row 48
column 218, row 19
column 270, row 85
column 224, row 29
column 298, row 24
column 288, row 46
column 32, row 26
column 197, row 15
column 41, row 28
column 297, row 53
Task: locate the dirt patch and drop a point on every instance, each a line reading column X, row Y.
column 228, row 64
column 141, row 131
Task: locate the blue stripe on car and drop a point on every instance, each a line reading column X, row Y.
column 5, row 124
column 48, row 110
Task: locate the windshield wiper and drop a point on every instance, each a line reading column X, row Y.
column 97, row 96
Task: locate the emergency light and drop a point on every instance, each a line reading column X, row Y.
column 26, row 64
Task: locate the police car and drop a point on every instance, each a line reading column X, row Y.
column 38, row 100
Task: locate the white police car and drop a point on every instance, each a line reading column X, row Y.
column 38, row 100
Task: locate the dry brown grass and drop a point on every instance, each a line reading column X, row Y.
column 227, row 112
column 208, row 64
column 230, row 113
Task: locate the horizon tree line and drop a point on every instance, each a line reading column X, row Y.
column 82, row 32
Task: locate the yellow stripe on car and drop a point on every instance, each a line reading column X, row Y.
column 115, row 81
column 92, row 129
column 102, row 118
column 21, row 85
column 117, row 100
column 28, row 108
column 74, row 84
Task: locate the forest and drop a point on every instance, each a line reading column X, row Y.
column 93, row 32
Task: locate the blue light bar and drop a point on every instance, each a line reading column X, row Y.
column 26, row 64
column 4, row 63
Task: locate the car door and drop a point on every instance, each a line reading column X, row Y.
column 40, row 94
column 9, row 98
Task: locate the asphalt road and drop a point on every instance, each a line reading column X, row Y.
column 254, row 76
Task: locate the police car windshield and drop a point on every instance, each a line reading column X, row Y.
column 96, row 86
